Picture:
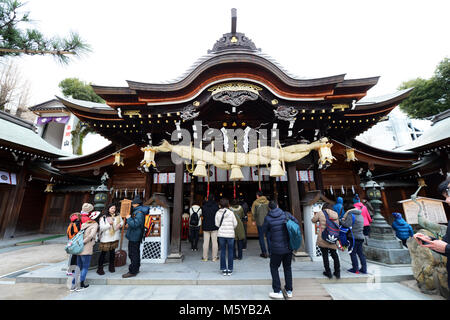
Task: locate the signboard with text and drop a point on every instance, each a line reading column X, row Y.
column 432, row 210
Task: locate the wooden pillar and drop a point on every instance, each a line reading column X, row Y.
column 175, row 245
column 149, row 184
column 191, row 196
column 317, row 173
column 48, row 198
column 294, row 195
column 275, row 190
column 12, row 211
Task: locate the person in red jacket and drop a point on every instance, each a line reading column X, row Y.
column 365, row 214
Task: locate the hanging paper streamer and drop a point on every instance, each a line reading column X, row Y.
column 331, row 189
column 353, row 189
column 342, row 190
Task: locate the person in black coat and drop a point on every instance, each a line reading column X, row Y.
column 440, row 246
column 275, row 226
column 246, row 209
column 209, row 210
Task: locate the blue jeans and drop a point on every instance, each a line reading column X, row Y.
column 83, row 263
column 275, row 262
column 358, row 250
column 262, row 243
column 226, row 244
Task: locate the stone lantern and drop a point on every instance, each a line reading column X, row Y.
column 100, row 200
column 382, row 244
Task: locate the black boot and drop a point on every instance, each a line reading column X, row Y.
column 111, row 267
column 100, row 270
column 337, row 274
column 327, row 273
column 83, row 285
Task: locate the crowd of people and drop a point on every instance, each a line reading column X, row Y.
column 224, row 228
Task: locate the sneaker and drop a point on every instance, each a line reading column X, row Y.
column 276, row 295
column 230, row 272
column 215, row 259
column 263, row 255
column 74, row 288
column 363, row 272
column 224, row 272
column 353, row 271
column 289, row 293
column 204, row 260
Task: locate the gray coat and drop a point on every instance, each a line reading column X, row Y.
column 358, row 225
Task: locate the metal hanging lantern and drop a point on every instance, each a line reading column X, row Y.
column 49, row 187
column 325, row 154
column 118, row 159
column 149, row 157
column 350, row 152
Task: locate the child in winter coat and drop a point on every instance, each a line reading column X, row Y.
column 402, row 229
column 72, row 230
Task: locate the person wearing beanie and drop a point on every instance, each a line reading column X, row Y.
column 135, row 232
column 353, row 219
column 86, row 209
column 402, row 228
column 275, row 226
column 325, row 247
column 339, row 207
column 90, row 228
column 73, row 228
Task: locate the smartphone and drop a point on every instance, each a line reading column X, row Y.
column 424, row 242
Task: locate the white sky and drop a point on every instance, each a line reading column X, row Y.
column 153, row 41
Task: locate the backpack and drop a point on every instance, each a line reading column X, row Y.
column 344, row 235
column 72, row 230
column 294, row 232
column 76, row 245
column 148, row 226
column 193, row 220
column 331, row 232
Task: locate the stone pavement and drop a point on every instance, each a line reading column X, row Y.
column 197, row 280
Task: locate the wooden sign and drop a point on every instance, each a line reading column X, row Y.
column 432, row 210
column 125, row 208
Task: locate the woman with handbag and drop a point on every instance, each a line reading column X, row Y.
column 110, row 225
column 226, row 221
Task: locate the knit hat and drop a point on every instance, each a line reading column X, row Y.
column 356, row 199
column 87, row 207
column 74, row 216
column 94, row 215
column 397, row 215
column 137, row 200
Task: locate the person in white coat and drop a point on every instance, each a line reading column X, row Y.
column 226, row 221
column 110, row 225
